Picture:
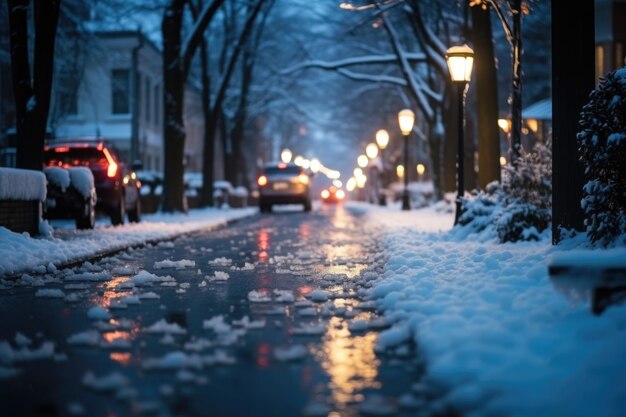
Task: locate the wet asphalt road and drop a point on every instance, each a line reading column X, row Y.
column 203, row 364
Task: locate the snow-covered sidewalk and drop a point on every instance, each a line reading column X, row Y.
column 21, row 253
column 491, row 326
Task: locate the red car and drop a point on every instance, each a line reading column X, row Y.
column 117, row 187
column 333, row 195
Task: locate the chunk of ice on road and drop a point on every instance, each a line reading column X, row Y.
column 145, row 278
column 73, row 297
column 221, row 262
column 246, row 267
column 307, row 312
column 23, row 354
column 357, row 326
column 49, row 293
column 376, row 405
column 246, row 323
column 284, row 296
column 309, row 329
column 110, row 382
column 393, row 337
column 162, row 326
column 21, row 340
column 98, row 313
column 168, row 264
column 173, row 360
column 219, row 358
column 130, row 299
column 217, row 324
column 218, row 276
column 291, row 353
column 149, row 296
column 89, row 276
column 318, row 296
column 259, row 296
column 86, row 338
column 124, row 270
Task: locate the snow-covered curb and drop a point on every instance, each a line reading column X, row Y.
column 490, row 325
column 21, row 253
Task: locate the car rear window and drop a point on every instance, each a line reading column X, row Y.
column 74, row 157
column 283, row 171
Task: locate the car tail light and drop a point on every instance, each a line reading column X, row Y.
column 303, row 178
column 340, row 194
column 62, row 149
column 112, row 168
column 262, row 181
column 325, row 194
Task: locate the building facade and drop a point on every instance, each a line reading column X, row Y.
column 610, row 30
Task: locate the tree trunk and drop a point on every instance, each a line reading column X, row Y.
column 32, row 98
column 486, row 98
column 173, row 94
column 208, row 157
column 516, row 93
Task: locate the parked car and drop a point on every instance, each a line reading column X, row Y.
column 71, row 194
column 283, row 183
column 332, row 194
column 117, row 186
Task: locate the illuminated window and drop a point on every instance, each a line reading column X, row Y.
column 619, row 55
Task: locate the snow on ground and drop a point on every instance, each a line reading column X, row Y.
column 21, row 253
column 491, row 325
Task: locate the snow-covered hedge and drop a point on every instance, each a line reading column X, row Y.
column 520, row 207
column 58, row 176
column 82, row 180
column 602, row 140
column 22, row 184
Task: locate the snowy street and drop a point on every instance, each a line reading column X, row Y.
column 267, row 314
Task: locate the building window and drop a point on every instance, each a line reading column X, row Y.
column 147, row 104
column 599, row 61
column 619, row 55
column 157, row 100
column 120, row 91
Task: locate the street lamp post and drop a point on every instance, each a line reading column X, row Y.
column 460, row 61
column 406, row 118
column 382, row 140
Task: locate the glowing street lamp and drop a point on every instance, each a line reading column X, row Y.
column 286, row 155
column 400, row 171
column 460, row 61
column 351, row 184
column 360, row 181
column 382, row 140
column 371, row 150
column 357, row 172
column 406, row 119
column 362, row 161
column 298, row 160
column 420, row 169
column 315, row 165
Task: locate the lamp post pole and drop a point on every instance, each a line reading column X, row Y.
column 461, row 94
column 406, row 205
column 382, row 140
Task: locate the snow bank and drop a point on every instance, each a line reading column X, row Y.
column 22, row 184
column 491, row 328
column 58, row 176
column 20, row 253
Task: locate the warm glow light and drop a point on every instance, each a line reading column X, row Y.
column 298, row 160
column 325, row 194
column 505, row 125
column 533, row 125
column 303, row 178
column 333, row 175
column 421, row 169
column 362, row 161
column 460, row 61
column 351, row 184
column 400, row 171
column 371, row 151
column 286, row 155
column 262, row 181
column 382, row 138
column 406, row 119
column 315, row 165
column 306, row 164
column 337, row 183
column 502, row 161
column 361, row 180
column 112, row 169
column 340, row 194
column 357, row 172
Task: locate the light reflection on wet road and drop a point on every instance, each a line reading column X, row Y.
column 230, row 366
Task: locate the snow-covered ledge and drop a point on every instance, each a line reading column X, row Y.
column 21, row 193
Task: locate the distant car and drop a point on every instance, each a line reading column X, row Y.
column 283, row 183
column 332, row 194
column 71, row 194
column 117, row 186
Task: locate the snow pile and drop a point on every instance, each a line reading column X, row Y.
column 259, row 296
column 58, row 177
column 145, row 278
column 217, row 276
column 22, row 184
column 221, row 262
column 291, row 353
column 50, row 293
column 20, row 253
column 82, row 180
column 168, row 264
column 492, row 330
column 111, row 382
column 162, row 326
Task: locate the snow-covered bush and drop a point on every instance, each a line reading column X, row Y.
column 520, row 207
column 602, row 140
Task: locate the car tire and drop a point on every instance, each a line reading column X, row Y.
column 86, row 219
column 134, row 215
column 264, row 208
column 119, row 212
column 307, row 206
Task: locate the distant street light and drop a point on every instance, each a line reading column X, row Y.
column 362, row 161
column 357, row 172
column 371, row 150
column 460, row 61
column 306, row 164
column 315, row 165
column 337, row 183
column 360, row 181
column 286, row 155
column 420, row 169
column 351, row 184
column 400, row 171
column 406, row 119
column 298, row 160
column 382, row 140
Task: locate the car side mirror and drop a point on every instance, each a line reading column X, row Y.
column 137, row 165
